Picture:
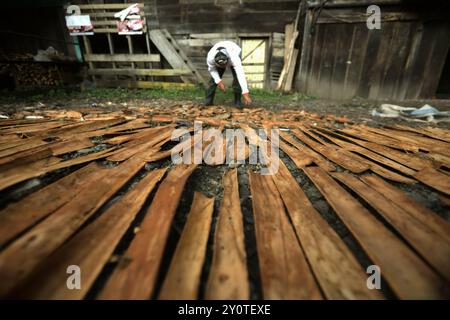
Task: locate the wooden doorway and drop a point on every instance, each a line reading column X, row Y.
column 254, row 58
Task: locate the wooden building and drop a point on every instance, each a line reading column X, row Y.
column 337, row 57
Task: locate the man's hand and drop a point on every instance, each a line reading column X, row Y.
column 221, row 86
column 247, row 99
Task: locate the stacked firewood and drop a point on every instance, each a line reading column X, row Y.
column 28, row 73
column 36, row 75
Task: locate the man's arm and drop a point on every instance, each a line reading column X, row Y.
column 239, row 69
column 214, row 73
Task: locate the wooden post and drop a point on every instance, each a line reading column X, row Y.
column 111, row 49
column 305, row 55
column 149, row 51
column 87, row 47
column 130, row 48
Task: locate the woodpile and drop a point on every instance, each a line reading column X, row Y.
column 36, row 75
column 28, row 73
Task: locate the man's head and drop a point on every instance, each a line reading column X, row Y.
column 221, row 57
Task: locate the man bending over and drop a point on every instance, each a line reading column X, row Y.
column 222, row 55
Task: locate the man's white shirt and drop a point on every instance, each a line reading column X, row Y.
column 234, row 61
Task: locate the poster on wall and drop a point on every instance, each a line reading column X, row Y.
column 78, row 25
column 130, row 22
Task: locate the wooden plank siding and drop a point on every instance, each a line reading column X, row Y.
column 340, row 58
column 197, row 25
column 403, row 60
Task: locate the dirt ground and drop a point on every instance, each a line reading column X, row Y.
column 357, row 110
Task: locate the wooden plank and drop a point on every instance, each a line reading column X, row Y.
column 174, row 54
column 131, row 51
column 338, row 272
column 6, row 141
column 135, row 276
column 24, row 157
column 146, row 133
column 122, row 57
column 288, row 33
column 215, row 153
column 108, row 6
column 25, row 171
column 428, row 243
column 341, row 157
column 114, row 30
column 382, row 171
column 291, row 70
column 62, row 147
column 228, row 276
column 85, row 126
column 20, row 258
column 410, row 160
column 183, row 277
column 21, row 146
column 382, row 140
column 19, row 216
column 431, row 132
column 414, row 208
column 35, row 169
column 96, row 16
column 318, row 159
column 168, row 51
column 33, row 128
column 408, row 275
column 404, row 137
column 435, row 179
column 367, row 153
column 142, row 84
column 110, row 41
column 123, row 129
column 299, row 159
column 139, row 72
column 291, row 54
column 285, row 274
column 186, row 59
column 91, row 248
column 132, row 148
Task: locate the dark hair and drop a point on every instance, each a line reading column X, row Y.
column 221, row 57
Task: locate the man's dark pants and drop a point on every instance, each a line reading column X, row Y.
column 211, row 90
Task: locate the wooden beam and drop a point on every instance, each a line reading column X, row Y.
column 139, row 72
column 142, row 84
column 170, row 49
column 108, row 6
column 122, row 58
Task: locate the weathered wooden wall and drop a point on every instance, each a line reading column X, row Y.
column 340, row 57
column 199, row 24
column 403, row 60
column 225, row 16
